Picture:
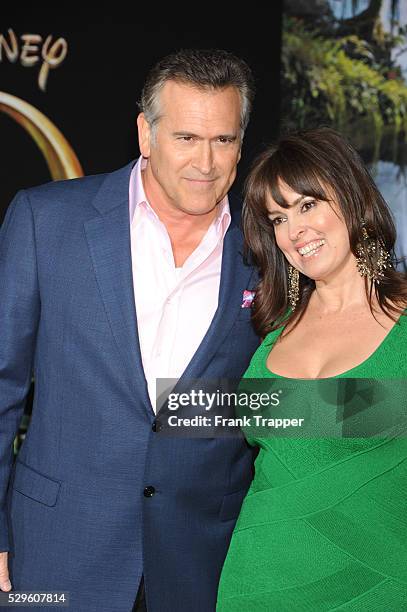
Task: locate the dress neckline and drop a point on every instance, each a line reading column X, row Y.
column 346, row 372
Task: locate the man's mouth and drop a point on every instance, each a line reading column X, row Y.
column 193, row 180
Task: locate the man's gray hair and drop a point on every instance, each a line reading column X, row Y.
column 201, row 68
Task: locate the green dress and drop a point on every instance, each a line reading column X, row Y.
column 324, row 524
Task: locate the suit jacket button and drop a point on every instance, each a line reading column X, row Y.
column 149, row 492
column 156, row 426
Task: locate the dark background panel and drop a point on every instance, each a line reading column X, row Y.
column 92, row 96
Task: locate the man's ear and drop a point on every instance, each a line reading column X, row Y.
column 144, row 135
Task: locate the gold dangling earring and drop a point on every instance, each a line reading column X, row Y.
column 371, row 257
column 293, row 286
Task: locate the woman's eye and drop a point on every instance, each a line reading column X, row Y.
column 307, row 205
column 277, row 220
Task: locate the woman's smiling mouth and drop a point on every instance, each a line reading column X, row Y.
column 311, row 248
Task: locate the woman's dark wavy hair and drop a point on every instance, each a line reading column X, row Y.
column 317, row 163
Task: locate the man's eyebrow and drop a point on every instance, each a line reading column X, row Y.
column 185, row 134
column 229, row 136
column 232, row 137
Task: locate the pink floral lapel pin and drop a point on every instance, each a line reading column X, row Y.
column 248, row 297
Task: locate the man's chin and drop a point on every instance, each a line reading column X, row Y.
column 199, row 208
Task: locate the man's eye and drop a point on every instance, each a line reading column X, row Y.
column 185, row 138
column 225, row 139
column 307, row 205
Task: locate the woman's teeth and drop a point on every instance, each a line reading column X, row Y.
column 311, row 248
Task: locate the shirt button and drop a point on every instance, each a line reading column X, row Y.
column 149, row 491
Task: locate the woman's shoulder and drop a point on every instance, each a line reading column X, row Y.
column 401, row 325
column 390, row 359
column 397, row 317
column 257, row 367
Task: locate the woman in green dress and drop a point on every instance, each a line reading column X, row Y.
column 324, row 524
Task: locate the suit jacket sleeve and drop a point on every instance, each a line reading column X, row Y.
column 19, row 316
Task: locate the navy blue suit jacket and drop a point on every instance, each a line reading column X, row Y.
column 77, row 517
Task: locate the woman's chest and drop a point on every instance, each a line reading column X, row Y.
column 326, row 348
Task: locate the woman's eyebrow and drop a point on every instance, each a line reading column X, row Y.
column 297, row 201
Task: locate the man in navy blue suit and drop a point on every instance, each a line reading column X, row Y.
column 107, row 283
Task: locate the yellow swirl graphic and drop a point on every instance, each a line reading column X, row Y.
column 58, row 153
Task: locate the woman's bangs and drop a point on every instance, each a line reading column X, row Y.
column 299, row 176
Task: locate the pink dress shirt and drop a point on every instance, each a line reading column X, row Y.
column 174, row 306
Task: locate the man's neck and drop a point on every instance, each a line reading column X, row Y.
column 185, row 230
column 186, row 234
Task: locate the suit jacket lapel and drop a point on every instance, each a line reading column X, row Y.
column 108, row 237
column 235, row 277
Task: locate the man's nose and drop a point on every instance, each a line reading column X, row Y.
column 204, row 159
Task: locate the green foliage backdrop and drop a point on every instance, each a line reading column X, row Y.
column 344, row 73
